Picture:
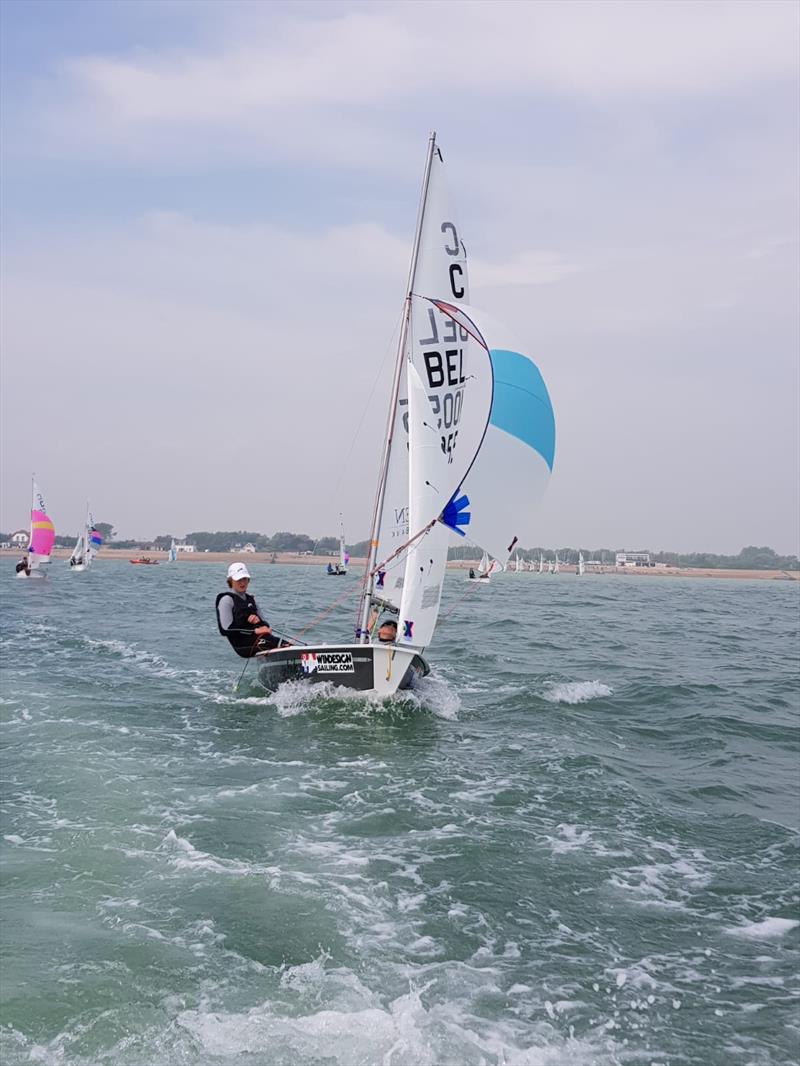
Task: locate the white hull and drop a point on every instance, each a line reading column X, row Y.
column 479, row 580
column 39, row 575
column 77, row 569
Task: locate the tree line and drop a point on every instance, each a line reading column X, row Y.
column 749, row 558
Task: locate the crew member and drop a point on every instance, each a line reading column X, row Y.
column 387, row 631
column 240, row 620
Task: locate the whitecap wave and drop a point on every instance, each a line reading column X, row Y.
column 575, row 691
column 363, row 1031
column 151, row 663
column 767, row 929
column 185, row 856
column 434, row 694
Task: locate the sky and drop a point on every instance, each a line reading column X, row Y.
column 207, row 212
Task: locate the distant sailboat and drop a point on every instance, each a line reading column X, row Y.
column 340, row 569
column 172, row 554
column 486, row 568
column 86, row 546
column 42, row 537
column 518, row 565
column 541, row 563
column 556, row 567
column 581, row 565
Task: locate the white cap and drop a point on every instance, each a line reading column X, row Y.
column 237, row 571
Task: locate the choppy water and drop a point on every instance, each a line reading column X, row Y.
column 578, row 845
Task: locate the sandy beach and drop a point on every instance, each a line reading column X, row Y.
column 356, row 565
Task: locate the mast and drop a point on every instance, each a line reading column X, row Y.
column 362, row 633
column 33, row 504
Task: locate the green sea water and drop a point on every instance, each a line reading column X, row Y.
column 576, row 844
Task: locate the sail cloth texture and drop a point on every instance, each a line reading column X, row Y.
column 434, row 475
column 43, row 534
column 439, row 352
column 448, row 402
column 520, row 437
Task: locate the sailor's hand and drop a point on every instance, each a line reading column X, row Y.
column 253, row 619
column 262, row 631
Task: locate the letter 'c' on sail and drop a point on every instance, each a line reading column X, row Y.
column 519, row 438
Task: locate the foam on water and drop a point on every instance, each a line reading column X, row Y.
column 436, row 695
column 575, row 691
column 198, row 876
column 403, row 1033
column 766, row 929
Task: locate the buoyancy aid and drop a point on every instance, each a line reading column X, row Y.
column 241, row 633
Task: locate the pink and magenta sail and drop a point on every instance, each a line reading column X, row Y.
column 43, row 533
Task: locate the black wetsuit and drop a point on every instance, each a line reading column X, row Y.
column 241, row 633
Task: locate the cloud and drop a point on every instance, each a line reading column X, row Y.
column 626, row 175
column 224, row 371
column 316, row 85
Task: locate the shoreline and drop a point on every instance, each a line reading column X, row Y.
column 357, row 565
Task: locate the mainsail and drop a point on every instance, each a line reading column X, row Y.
column 429, row 445
column 172, row 554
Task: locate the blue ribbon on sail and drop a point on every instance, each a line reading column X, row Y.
column 456, row 514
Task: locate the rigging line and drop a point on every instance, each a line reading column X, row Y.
column 344, row 465
column 251, row 655
column 469, row 589
column 352, row 591
column 356, row 590
column 367, row 405
column 297, row 584
column 368, row 575
column 403, row 547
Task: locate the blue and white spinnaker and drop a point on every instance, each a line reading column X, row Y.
column 512, row 466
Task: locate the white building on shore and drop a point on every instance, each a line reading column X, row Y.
column 633, row 559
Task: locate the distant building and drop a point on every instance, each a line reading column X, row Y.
column 247, row 548
column 20, row 538
column 185, row 548
column 5, row 544
column 592, row 563
column 633, row 559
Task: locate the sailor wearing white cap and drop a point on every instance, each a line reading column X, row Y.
column 239, row 619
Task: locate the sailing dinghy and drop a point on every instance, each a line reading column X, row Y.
column 172, row 554
column 42, row 538
column 466, row 406
column 86, row 546
column 340, row 568
column 485, row 569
